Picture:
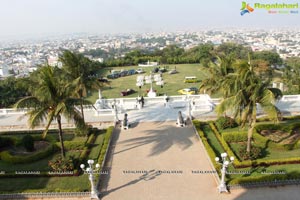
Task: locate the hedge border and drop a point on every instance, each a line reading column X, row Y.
column 251, row 163
column 7, row 157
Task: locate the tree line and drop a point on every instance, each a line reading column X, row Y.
column 172, row 54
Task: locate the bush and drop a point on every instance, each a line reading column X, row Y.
column 105, row 144
column 253, row 155
column 60, row 164
column 88, row 144
column 235, row 136
column 198, row 125
column 225, row 122
column 28, row 143
column 266, row 178
column 260, row 127
column 7, row 157
column 224, row 143
column 6, row 142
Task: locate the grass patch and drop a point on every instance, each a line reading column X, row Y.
column 45, row 184
column 212, row 140
column 173, row 82
column 276, row 159
column 96, row 147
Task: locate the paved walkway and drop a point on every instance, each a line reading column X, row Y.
column 159, row 161
column 156, row 160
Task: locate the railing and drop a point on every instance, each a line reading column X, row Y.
column 44, row 195
column 290, row 98
column 104, row 112
column 11, row 111
column 265, row 184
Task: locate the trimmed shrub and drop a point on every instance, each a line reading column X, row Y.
column 198, row 125
column 266, row 178
column 225, row 122
column 261, row 127
column 6, row 156
column 6, row 142
column 87, row 146
column 224, row 144
column 253, row 155
column 105, row 144
column 235, row 136
column 28, row 143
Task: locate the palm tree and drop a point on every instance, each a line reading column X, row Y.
column 219, row 69
column 245, row 90
column 79, row 70
column 49, row 100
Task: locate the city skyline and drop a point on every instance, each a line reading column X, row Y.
column 38, row 18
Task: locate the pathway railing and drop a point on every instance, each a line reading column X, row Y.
column 44, row 195
column 265, row 184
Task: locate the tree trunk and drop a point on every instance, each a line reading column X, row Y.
column 250, row 133
column 63, row 154
column 81, row 108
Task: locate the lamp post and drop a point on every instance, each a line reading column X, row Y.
column 188, row 99
column 115, row 111
column 151, row 92
column 89, row 170
column 224, row 162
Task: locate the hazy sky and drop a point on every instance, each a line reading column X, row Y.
column 37, row 17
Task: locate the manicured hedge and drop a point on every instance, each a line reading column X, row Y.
column 28, row 142
column 284, row 118
column 6, row 142
column 225, row 122
column 6, row 156
column 224, row 144
column 235, row 136
column 284, row 127
column 210, row 151
column 260, row 127
column 265, row 178
column 86, row 149
column 95, row 150
column 259, row 162
column 105, row 144
column 33, row 132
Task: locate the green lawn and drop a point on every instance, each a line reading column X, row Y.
column 49, row 184
column 212, row 140
column 96, row 148
column 173, row 82
column 45, row 184
column 259, row 173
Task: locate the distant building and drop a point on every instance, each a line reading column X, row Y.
column 4, row 70
column 54, row 62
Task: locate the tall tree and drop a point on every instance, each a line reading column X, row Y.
column 50, row 101
column 79, row 71
column 291, row 75
column 245, row 90
column 217, row 72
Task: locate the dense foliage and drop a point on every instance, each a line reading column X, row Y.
column 225, row 122
column 28, row 142
column 11, row 90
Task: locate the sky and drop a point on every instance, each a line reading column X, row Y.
column 39, row 17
